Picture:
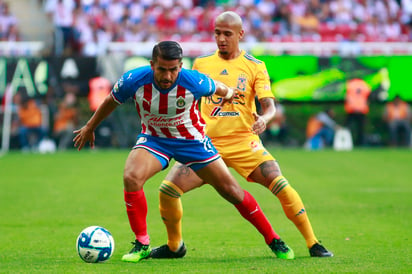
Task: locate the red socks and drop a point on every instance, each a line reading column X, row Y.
column 251, row 211
column 136, row 207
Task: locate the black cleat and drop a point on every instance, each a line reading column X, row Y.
column 164, row 252
column 318, row 250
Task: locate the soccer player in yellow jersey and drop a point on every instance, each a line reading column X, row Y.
column 234, row 129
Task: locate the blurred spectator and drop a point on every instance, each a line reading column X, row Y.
column 392, row 29
column 61, row 13
column 285, row 20
column 187, row 23
column 116, row 11
column 8, row 24
column 65, row 121
column 31, row 131
column 406, row 11
column 342, row 11
column 136, row 12
column 374, row 29
column 356, row 108
column 99, row 88
column 307, row 24
column 398, row 116
column 320, row 130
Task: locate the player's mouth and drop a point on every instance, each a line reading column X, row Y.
column 165, row 84
column 222, row 47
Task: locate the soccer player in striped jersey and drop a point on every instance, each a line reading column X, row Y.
column 166, row 98
column 234, row 130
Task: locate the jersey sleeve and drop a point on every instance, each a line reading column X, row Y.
column 126, row 86
column 198, row 83
column 262, row 82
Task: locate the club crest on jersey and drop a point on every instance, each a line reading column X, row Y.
column 217, row 112
column 180, row 102
column 241, row 82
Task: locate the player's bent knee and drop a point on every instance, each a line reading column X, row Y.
column 132, row 181
column 168, row 188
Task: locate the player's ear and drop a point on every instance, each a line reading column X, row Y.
column 241, row 34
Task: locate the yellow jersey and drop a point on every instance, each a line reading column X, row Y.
column 245, row 73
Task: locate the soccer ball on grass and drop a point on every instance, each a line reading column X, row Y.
column 95, row 244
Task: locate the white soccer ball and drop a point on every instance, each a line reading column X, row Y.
column 95, row 244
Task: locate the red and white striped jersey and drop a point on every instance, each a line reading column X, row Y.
column 172, row 113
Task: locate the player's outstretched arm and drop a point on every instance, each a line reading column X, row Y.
column 225, row 92
column 268, row 114
column 85, row 134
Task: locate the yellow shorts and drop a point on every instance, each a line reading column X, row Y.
column 243, row 154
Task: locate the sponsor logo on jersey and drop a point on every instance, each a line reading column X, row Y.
column 255, row 146
column 217, row 112
column 141, row 140
column 158, row 121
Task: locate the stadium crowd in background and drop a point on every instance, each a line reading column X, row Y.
column 88, row 25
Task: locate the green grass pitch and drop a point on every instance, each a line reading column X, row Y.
column 359, row 204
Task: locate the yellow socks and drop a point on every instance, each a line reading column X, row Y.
column 293, row 208
column 171, row 211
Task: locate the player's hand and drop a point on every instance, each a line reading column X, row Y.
column 229, row 99
column 83, row 136
column 259, row 125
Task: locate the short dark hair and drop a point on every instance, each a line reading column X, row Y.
column 168, row 50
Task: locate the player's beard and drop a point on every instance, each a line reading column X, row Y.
column 223, row 52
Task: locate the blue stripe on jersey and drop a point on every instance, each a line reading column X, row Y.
column 205, row 55
column 251, row 58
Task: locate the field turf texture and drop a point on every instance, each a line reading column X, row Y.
column 359, row 204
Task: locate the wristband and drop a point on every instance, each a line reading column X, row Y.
column 229, row 94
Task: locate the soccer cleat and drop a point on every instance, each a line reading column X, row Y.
column 164, row 252
column 281, row 250
column 318, row 250
column 138, row 252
